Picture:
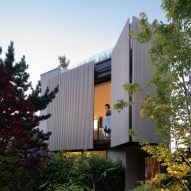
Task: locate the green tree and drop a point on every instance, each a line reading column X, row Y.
column 170, row 107
column 22, row 144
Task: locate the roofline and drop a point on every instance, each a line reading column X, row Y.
column 50, row 71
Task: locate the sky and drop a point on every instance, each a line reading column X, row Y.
column 42, row 30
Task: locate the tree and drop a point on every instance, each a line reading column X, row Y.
column 63, row 62
column 22, row 144
column 170, row 108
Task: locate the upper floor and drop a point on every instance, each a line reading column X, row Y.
column 78, row 112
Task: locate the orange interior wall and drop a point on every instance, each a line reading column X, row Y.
column 102, row 95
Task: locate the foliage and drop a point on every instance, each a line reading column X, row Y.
column 67, row 187
column 144, row 187
column 82, row 172
column 99, row 173
column 170, row 107
column 63, row 187
column 131, row 89
column 177, row 167
column 63, row 61
column 22, row 145
column 56, row 171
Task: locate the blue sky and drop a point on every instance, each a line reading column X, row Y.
column 44, row 29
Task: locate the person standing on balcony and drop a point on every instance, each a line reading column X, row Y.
column 108, row 110
column 107, row 120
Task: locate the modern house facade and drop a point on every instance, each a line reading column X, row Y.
column 78, row 110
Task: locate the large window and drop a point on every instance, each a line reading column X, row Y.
column 102, row 96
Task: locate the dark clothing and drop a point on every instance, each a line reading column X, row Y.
column 108, row 113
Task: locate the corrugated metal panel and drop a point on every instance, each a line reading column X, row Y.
column 44, row 84
column 120, row 76
column 141, row 74
column 71, row 122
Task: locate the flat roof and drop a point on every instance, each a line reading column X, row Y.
column 96, row 59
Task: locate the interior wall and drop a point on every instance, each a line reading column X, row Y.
column 102, row 96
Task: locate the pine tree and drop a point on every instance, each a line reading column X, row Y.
column 22, row 144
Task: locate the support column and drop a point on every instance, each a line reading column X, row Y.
column 133, row 161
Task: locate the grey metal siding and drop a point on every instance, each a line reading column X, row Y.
column 44, row 83
column 71, row 122
column 142, row 72
column 120, row 76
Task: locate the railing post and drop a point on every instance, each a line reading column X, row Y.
column 99, row 126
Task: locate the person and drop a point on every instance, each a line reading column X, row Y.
column 107, row 120
column 108, row 110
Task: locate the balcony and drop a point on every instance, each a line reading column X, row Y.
column 101, row 137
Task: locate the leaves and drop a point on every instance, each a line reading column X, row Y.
column 120, row 105
column 170, row 107
column 132, row 88
column 84, row 171
column 63, row 61
column 145, row 28
column 22, row 144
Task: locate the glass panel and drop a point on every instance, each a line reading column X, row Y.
column 107, row 126
column 99, row 132
column 102, row 96
column 98, row 57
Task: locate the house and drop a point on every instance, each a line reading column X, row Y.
column 78, row 109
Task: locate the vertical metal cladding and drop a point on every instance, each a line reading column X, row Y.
column 44, row 81
column 119, row 76
column 71, row 122
column 142, row 72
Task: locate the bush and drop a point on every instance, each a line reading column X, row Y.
column 56, row 171
column 83, row 172
column 144, row 187
column 99, row 173
column 65, row 187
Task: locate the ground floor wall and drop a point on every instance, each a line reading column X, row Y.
column 133, row 160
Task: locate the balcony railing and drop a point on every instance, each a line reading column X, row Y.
column 101, row 136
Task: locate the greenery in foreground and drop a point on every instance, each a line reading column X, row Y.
column 81, row 172
column 23, row 146
column 25, row 164
column 170, row 107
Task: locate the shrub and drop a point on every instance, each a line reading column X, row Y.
column 65, row 187
column 83, row 172
column 144, row 187
column 99, row 173
column 56, row 171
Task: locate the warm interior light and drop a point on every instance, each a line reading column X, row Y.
column 95, row 124
column 102, row 96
